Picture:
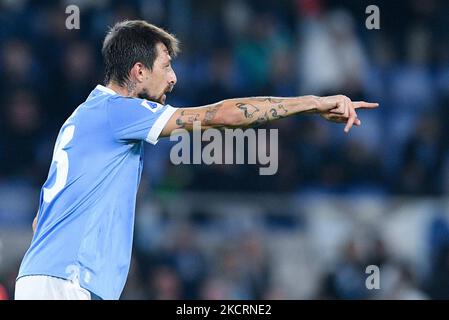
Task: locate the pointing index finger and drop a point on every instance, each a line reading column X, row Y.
column 363, row 104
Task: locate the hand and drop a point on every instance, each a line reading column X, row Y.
column 341, row 109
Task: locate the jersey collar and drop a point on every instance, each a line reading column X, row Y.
column 105, row 89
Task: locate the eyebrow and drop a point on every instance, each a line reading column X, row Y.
column 168, row 54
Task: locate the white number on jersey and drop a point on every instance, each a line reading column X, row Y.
column 61, row 159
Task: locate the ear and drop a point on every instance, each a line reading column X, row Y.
column 137, row 72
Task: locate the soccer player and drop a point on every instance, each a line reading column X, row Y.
column 83, row 231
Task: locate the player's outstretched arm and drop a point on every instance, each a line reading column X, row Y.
column 246, row 112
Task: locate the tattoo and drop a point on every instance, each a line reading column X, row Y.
column 248, row 109
column 282, row 112
column 210, row 114
column 261, row 120
column 258, row 117
column 186, row 119
column 130, row 86
column 180, row 123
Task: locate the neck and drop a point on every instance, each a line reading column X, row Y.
column 128, row 90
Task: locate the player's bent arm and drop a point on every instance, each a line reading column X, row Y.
column 245, row 112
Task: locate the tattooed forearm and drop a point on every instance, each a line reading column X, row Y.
column 279, row 112
column 211, row 112
column 258, row 115
column 239, row 113
column 186, row 119
column 205, row 116
column 282, row 111
column 261, row 120
column 248, row 109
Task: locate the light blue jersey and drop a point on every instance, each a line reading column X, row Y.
column 86, row 210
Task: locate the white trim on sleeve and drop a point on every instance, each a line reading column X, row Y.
column 156, row 129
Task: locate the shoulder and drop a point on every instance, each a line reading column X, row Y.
column 121, row 99
column 131, row 102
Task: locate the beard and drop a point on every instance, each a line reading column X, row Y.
column 144, row 94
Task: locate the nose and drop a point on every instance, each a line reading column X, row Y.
column 173, row 78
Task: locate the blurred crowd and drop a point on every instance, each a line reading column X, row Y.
column 277, row 254
column 237, row 48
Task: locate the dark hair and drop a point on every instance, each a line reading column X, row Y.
column 129, row 42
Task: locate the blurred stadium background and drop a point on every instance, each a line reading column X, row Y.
column 337, row 204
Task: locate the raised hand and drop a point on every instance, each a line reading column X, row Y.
column 341, row 109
